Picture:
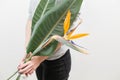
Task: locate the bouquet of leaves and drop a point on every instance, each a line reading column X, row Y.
column 50, row 26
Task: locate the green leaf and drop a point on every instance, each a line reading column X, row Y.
column 51, row 24
column 42, row 8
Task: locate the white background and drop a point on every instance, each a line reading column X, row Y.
column 100, row 19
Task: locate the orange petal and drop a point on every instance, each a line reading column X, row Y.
column 67, row 22
column 77, row 36
column 71, row 31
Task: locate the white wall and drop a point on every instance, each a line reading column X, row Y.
column 100, row 19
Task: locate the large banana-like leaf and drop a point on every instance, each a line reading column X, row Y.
column 52, row 23
column 42, row 8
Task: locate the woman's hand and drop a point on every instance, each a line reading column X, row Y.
column 29, row 67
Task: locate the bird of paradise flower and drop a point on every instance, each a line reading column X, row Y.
column 68, row 36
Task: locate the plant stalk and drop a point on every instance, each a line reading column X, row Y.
column 12, row 75
column 18, row 77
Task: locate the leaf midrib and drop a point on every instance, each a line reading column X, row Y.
column 44, row 9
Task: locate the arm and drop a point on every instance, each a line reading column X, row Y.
column 30, row 66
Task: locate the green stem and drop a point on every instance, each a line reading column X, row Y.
column 18, row 77
column 12, row 75
column 28, row 59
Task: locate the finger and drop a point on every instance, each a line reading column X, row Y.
column 21, row 63
column 31, row 72
column 25, row 69
column 22, row 66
